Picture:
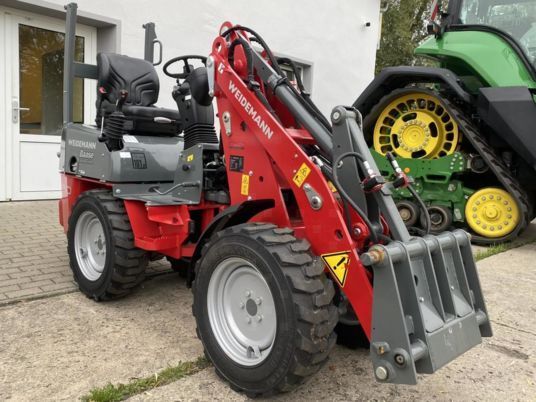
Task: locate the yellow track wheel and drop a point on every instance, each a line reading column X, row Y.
column 416, row 125
column 491, row 212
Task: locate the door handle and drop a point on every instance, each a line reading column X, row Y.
column 16, row 110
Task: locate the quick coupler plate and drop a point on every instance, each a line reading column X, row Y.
column 428, row 306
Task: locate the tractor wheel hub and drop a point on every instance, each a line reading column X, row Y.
column 414, row 136
column 492, row 212
column 416, row 125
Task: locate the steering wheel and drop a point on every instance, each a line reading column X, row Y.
column 187, row 70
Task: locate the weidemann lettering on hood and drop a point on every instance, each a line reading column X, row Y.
column 82, row 144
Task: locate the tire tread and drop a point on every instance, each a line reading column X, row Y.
column 312, row 294
column 130, row 262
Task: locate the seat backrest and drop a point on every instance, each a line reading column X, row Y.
column 118, row 72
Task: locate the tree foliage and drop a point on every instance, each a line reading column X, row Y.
column 403, row 27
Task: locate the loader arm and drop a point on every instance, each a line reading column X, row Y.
column 324, row 225
column 418, row 300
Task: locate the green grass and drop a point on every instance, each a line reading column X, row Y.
column 491, row 250
column 120, row 392
column 500, row 248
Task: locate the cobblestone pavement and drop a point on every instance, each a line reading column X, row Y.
column 33, row 252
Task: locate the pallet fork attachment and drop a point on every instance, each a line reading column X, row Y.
column 428, row 307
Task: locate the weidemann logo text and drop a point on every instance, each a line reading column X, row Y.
column 251, row 110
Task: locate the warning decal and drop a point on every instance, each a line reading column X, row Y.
column 244, row 187
column 338, row 264
column 301, row 175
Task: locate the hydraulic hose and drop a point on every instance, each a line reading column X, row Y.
column 400, row 176
column 418, row 198
column 304, row 94
column 307, row 103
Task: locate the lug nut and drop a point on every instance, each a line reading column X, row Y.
column 248, row 293
column 258, row 300
column 259, row 318
column 248, row 320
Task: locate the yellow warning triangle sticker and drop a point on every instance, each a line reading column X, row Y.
column 338, row 264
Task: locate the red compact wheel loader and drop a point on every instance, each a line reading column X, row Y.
column 283, row 223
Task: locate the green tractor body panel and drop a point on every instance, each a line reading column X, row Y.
column 486, row 78
column 433, row 180
column 478, row 54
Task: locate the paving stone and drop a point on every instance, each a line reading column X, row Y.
column 57, row 286
column 33, row 251
column 11, row 288
column 14, row 281
column 23, row 293
column 36, row 284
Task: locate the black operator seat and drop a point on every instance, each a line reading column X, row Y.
column 139, row 78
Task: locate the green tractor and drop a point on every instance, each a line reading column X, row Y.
column 464, row 131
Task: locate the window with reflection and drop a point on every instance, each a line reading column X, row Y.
column 41, row 80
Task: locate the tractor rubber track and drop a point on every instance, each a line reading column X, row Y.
column 497, row 166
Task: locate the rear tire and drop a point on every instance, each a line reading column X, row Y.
column 296, row 308
column 100, row 244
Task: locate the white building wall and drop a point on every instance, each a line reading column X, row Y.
column 329, row 33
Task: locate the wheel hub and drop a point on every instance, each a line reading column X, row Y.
column 414, row 135
column 251, row 307
column 90, row 245
column 416, row 125
column 436, row 218
column 241, row 311
column 492, row 212
column 405, row 214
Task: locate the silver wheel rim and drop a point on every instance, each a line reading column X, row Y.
column 241, row 311
column 90, row 245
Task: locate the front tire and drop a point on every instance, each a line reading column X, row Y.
column 100, row 243
column 263, row 308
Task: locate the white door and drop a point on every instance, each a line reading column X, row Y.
column 34, row 101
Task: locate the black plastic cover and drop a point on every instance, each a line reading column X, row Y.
column 392, row 78
column 511, row 113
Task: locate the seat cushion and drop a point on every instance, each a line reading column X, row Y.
column 150, row 112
